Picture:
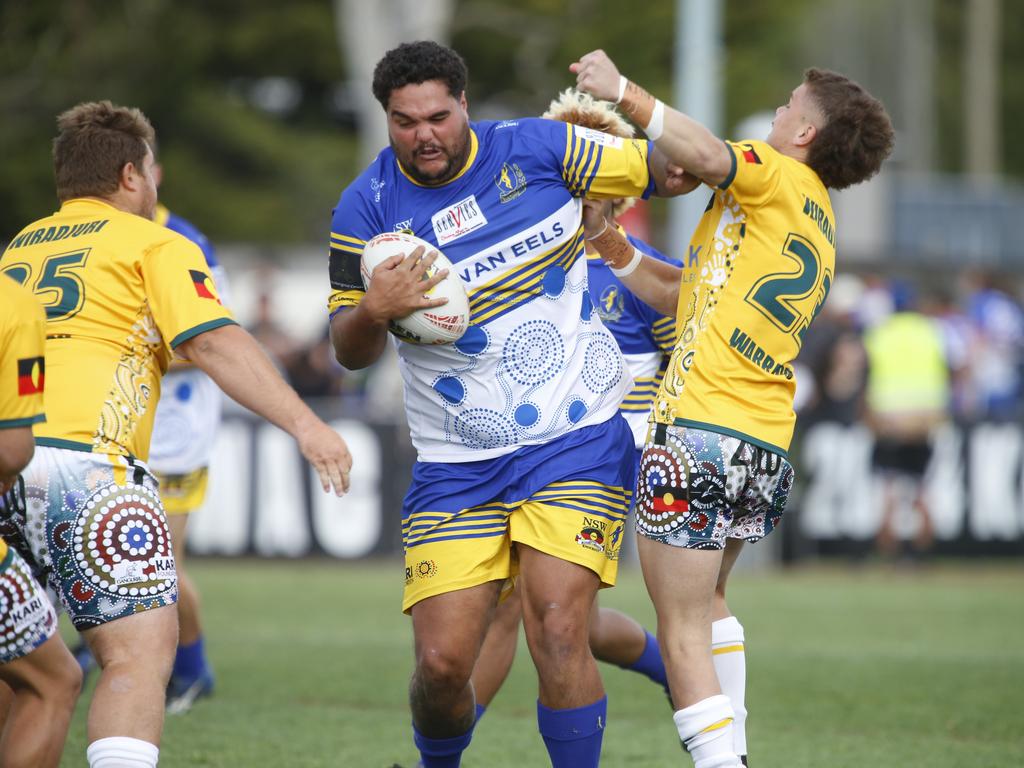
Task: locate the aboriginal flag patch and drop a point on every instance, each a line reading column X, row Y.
column 669, row 499
column 31, row 373
column 750, row 155
column 200, row 282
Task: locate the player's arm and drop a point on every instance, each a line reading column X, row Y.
column 397, row 288
column 16, row 448
column 682, row 139
column 669, row 179
column 654, row 282
column 231, row 357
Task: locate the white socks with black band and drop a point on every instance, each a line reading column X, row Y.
column 706, row 730
column 122, row 752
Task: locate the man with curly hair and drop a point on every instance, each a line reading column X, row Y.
column 714, row 471
column 524, row 464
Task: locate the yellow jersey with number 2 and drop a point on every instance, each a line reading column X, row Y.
column 759, row 268
column 120, row 293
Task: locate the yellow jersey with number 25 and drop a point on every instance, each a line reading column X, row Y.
column 120, row 293
column 759, row 268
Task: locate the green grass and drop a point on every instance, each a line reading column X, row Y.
column 846, row 669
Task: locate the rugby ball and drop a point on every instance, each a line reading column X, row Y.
column 433, row 325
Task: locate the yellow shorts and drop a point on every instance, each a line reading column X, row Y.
column 182, row 494
column 592, row 540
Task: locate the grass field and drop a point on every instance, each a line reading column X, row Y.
column 847, row 669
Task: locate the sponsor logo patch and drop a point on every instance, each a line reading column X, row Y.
column 458, row 220
column 597, row 137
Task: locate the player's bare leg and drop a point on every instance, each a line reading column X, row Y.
column 135, row 655
column 557, row 600
column 189, row 629
column 681, row 583
column 498, row 651
column 449, row 630
column 191, row 677
column 615, row 637
column 45, row 686
column 558, row 597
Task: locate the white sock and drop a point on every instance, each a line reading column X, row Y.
column 122, row 752
column 706, row 730
column 731, row 666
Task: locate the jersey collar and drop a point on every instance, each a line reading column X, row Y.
column 90, row 202
column 474, row 146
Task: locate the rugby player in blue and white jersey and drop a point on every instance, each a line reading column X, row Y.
column 525, row 465
column 646, row 339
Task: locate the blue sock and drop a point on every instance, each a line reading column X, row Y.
column 573, row 736
column 190, row 661
column 650, row 663
column 480, row 709
column 441, row 753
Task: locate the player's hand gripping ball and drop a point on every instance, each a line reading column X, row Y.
column 431, row 325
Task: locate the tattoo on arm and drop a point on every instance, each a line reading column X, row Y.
column 616, row 251
column 638, row 104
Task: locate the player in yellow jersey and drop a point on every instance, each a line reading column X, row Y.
column 34, row 662
column 714, row 469
column 121, row 294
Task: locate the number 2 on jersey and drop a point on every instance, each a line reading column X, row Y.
column 778, row 296
column 59, row 289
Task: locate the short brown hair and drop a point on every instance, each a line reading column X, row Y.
column 582, row 109
column 95, row 141
column 857, row 135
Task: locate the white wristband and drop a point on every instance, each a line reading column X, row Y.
column 623, row 82
column 630, row 268
column 655, row 128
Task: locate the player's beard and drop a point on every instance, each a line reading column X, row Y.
column 456, row 160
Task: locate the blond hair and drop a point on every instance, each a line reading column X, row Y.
column 572, row 106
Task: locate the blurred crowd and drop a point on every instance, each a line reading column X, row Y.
column 877, row 338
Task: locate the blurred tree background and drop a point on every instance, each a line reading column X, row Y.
column 251, row 99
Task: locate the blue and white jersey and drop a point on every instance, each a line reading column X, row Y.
column 645, row 337
column 536, row 361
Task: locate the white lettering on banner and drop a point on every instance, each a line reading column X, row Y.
column 221, row 525
column 350, row 526
column 344, row 527
column 842, row 498
column 281, row 524
column 995, row 460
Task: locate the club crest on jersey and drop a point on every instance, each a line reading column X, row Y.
column 376, row 185
column 511, row 182
column 611, row 304
column 404, row 226
column 458, row 220
column 31, row 375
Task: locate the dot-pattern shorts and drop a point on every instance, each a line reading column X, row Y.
column 93, row 529
column 697, row 488
column 27, row 618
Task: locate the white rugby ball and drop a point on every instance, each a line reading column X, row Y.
column 433, row 325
